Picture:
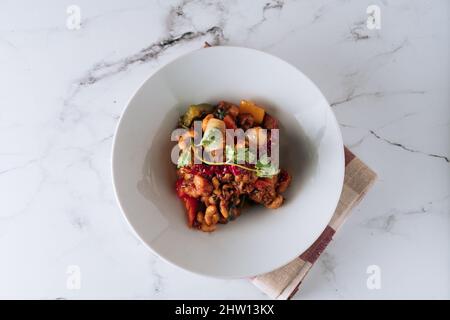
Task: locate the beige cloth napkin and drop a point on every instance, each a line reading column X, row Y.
column 284, row 282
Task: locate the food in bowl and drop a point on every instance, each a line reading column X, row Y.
column 228, row 160
column 310, row 148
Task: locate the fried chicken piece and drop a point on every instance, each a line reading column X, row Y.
column 224, row 108
column 264, row 192
column 202, row 186
column 245, row 121
column 270, row 122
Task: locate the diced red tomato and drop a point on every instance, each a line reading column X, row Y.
column 270, row 122
column 229, row 122
column 180, row 192
column 261, row 184
column 190, row 203
column 191, row 208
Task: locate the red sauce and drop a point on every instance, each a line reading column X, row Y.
column 208, row 171
column 178, row 184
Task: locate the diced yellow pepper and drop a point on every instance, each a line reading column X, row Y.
column 247, row 106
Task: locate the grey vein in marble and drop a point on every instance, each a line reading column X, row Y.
column 377, row 94
column 181, row 19
column 272, row 5
column 80, row 222
column 397, row 48
column 371, row 64
column 157, row 278
column 105, row 69
column 399, row 145
column 363, row 138
column 356, row 32
column 328, row 262
column 26, row 164
column 385, row 223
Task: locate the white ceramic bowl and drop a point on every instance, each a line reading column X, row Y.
column 260, row 240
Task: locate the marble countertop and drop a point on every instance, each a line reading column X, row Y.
column 65, row 87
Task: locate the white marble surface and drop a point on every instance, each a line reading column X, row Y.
column 63, row 91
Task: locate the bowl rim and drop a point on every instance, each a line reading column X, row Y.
column 114, row 148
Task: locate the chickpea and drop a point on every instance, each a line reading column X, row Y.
column 190, row 190
column 205, row 228
column 245, row 178
column 202, row 185
column 211, row 215
column 235, row 212
column 215, row 182
column 223, row 209
column 205, row 199
column 276, row 202
column 200, row 217
column 185, row 139
column 227, row 191
column 182, row 143
column 212, row 199
column 205, row 121
column 227, row 177
column 211, row 210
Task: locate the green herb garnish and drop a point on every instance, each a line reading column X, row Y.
column 210, row 139
column 265, row 169
column 220, row 113
column 185, row 158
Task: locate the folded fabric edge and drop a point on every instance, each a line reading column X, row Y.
column 284, row 282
